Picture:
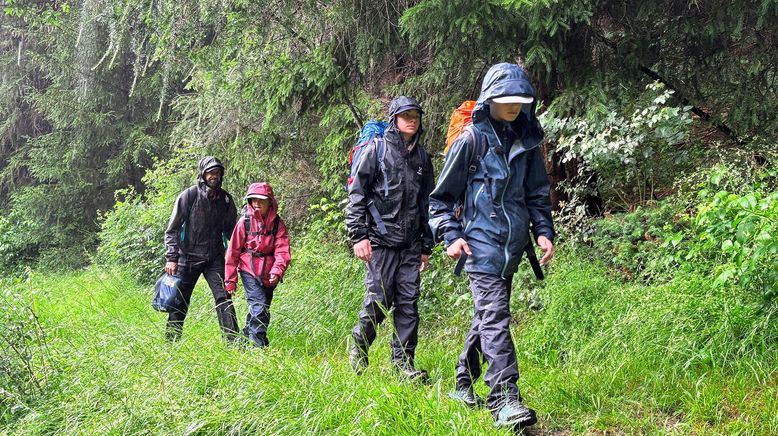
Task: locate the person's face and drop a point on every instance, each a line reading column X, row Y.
column 507, row 112
column 408, row 123
column 263, row 204
column 213, row 177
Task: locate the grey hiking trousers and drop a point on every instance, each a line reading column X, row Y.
column 392, row 281
column 490, row 339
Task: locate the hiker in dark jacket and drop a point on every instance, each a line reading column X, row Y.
column 396, row 249
column 203, row 218
column 505, row 196
column 259, row 250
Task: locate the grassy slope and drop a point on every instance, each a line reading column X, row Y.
column 602, row 355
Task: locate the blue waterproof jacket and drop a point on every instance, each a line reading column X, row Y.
column 509, row 189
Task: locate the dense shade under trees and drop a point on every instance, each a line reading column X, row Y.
column 95, row 92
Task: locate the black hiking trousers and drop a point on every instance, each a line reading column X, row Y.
column 189, row 271
column 392, row 281
column 489, row 339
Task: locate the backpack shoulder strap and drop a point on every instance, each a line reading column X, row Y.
column 380, row 144
column 480, row 148
column 275, row 226
column 477, row 161
column 191, row 198
column 246, row 221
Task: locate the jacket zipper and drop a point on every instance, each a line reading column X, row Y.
column 502, row 198
column 475, row 202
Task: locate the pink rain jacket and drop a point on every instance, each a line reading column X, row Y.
column 258, row 253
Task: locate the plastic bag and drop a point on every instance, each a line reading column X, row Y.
column 167, row 294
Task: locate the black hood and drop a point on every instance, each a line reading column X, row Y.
column 206, row 164
column 398, row 105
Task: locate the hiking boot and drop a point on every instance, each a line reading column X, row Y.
column 513, row 414
column 358, row 360
column 467, row 397
column 409, row 372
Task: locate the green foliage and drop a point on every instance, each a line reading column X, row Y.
column 603, row 355
column 94, row 90
column 15, row 251
column 132, row 233
column 633, row 146
column 644, row 243
column 76, row 131
column 326, row 223
column 735, row 233
column 721, row 226
column 24, row 357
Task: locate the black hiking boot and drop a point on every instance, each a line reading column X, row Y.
column 467, row 397
column 358, row 360
column 409, row 372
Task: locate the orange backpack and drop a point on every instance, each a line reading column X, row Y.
column 460, row 118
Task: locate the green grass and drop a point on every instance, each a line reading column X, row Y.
column 602, row 356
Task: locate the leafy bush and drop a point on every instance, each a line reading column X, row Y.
column 132, row 233
column 643, row 243
column 24, row 362
column 629, row 144
column 735, row 237
column 726, row 234
column 15, row 251
column 326, row 222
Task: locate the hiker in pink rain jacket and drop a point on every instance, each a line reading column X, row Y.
column 259, row 251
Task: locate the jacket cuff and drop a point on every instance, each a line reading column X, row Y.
column 451, row 236
column 230, row 286
column 358, row 235
column 548, row 233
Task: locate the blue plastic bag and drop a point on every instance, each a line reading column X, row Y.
column 167, row 295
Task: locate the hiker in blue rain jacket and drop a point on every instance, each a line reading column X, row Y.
column 504, row 196
column 396, row 249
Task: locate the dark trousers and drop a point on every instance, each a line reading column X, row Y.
column 392, row 281
column 189, row 271
column 258, row 297
column 490, row 339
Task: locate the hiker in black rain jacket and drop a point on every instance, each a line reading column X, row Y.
column 505, row 195
column 202, row 220
column 396, row 246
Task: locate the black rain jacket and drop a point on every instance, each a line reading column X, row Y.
column 410, row 178
column 202, row 220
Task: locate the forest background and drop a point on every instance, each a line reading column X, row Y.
column 661, row 131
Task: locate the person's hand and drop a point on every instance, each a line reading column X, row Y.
column 273, row 280
column 425, row 262
column 171, row 268
column 363, row 250
column 548, row 247
column 455, row 249
column 230, row 288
